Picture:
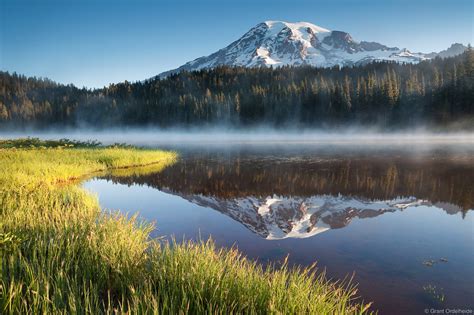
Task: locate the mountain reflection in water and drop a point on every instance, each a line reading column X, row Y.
column 418, row 200
column 300, row 196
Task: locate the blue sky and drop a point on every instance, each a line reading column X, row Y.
column 94, row 43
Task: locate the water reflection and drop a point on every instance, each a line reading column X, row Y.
column 301, row 195
column 418, row 202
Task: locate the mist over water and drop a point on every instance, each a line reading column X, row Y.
column 255, row 136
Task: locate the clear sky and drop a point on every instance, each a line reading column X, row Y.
column 94, row 43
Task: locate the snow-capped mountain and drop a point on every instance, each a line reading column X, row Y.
column 278, row 43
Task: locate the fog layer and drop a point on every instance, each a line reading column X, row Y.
column 199, row 136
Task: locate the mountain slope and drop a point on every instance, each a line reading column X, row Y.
column 278, row 43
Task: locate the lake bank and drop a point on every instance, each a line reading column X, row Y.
column 61, row 253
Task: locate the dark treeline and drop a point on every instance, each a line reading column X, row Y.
column 385, row 94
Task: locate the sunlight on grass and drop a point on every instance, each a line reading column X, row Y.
column 61, row 254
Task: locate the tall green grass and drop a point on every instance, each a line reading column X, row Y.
column 61, row 254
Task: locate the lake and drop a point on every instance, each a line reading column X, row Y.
column 396, row 217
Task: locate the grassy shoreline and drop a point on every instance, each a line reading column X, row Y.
column 61, row 254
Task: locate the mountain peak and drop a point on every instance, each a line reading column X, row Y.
column 454, row 50
column 280, row 43
column 297, row 26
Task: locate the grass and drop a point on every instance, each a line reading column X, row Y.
column 61, row 254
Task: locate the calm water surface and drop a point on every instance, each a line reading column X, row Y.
column 398, row 217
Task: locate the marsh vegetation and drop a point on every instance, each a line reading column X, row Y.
column 61, row 254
